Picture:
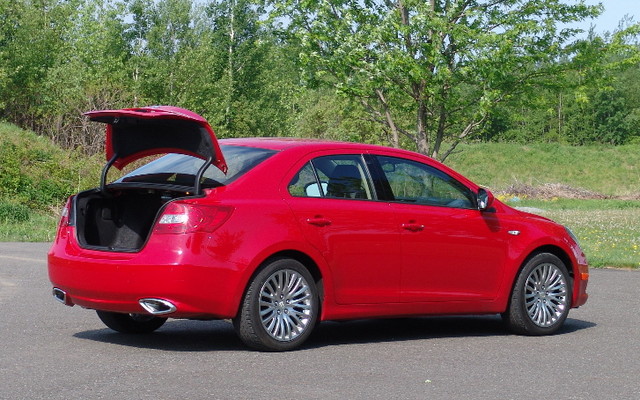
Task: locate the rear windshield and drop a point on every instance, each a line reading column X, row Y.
column 180, row 169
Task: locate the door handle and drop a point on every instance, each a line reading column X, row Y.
column 413, row 227
column 318, row 221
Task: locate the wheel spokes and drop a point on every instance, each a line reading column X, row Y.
column 545, row 294
column 285, row 305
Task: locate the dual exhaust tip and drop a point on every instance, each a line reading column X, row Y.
column 150, row 305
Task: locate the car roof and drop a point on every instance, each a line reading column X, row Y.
column 306, row 146
column 285, row 143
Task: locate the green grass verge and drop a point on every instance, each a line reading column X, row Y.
column 40, row 227
column 36, row 176
column 608, row 230
column 610, row 170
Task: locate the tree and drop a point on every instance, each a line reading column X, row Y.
column 245, row 51
column 160, row 34
column 594, row 100
column 430, row 71
column 31, row 40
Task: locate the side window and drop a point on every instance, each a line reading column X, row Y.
column 339, row 176
column 418, row 183
column 305, row 183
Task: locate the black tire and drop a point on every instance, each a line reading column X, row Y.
column 541, row 297
column 280, row 307
column 131, row 323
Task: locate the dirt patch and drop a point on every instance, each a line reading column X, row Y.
column 635, row 196
column 553, row 190
column 548, row 191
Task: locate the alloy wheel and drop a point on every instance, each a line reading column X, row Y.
column 545, row 295
column 285, row 305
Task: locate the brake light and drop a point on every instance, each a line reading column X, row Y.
column 187, row 218
column 64, row 214
column 65, row 219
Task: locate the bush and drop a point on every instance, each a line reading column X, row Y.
column 39, row 175
column 11, row 212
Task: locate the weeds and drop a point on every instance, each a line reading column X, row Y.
column 608, row 230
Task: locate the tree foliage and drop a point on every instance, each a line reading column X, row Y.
column 413, row 73
column 431, row 71
column 595, row 100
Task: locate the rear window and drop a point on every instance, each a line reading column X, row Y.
column 180, row 169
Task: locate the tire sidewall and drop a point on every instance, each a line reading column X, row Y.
column 124, row 323
column 518, row 316
column 250, row 311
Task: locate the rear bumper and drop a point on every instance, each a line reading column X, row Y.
column 195, row 283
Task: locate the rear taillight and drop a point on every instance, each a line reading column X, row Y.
column 187, row 218
column 65, row 218
column 66, row 212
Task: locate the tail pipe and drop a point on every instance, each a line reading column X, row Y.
column 61, row 296
column 157, row 306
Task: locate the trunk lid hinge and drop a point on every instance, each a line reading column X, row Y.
column 103, row 177
column 198, row 186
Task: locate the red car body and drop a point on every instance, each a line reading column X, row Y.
column 368, row 257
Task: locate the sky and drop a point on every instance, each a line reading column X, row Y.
column 614, row 11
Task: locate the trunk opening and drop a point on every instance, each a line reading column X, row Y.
column 121, row 219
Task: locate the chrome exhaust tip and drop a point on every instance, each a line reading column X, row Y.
column 157, row 306
column 61, row 296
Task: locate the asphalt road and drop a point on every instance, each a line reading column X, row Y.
column 49, row 351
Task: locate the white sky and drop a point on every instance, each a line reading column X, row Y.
column 614, row 11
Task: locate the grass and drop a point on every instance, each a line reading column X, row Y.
column 40, row 227
column 608, row 230
column 610, row 170
column 36, row 176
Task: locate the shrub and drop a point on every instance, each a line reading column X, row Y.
column 12, row 212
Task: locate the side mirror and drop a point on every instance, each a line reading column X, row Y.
column 313, row 190
column 485, row 199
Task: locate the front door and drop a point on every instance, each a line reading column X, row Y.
column 451, row 251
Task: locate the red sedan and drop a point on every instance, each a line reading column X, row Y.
column 279, row 234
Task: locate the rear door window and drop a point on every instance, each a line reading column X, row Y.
column 336, row 176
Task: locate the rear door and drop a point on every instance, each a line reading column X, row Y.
column 334, row 201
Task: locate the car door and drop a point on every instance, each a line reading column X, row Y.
column 451, row 251
column 334, row 202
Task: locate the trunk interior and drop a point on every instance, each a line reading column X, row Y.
column 119, row 220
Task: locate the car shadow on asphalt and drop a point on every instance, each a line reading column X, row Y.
column 175, row 335
column 201, row 336
column 405, row 329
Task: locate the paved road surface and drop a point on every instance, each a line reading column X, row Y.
column 49, row 351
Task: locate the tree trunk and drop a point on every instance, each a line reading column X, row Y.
column 395, row 141
column 422, row 138
column 230, row 63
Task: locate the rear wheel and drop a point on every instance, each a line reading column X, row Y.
column 131, row 323
column 541, row 297
column 280, row 307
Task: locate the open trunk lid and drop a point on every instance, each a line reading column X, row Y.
column 133, row 133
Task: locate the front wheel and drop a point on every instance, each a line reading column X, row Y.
column 280, row 307
column 541, row 297
column 131, row 323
